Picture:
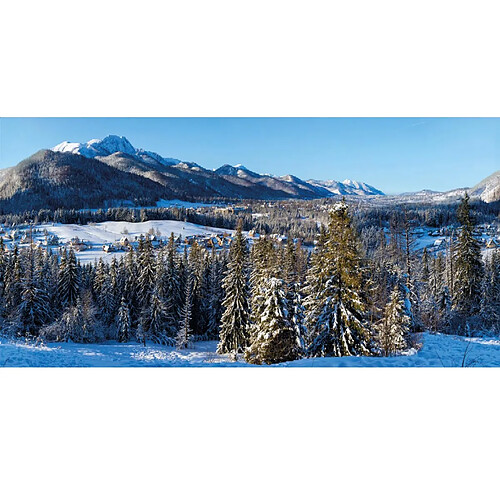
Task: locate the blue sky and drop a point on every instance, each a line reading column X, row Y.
column 392, row 154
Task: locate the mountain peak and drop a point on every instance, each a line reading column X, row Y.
column 237, row 170
column 97, row 147
column 112, row 144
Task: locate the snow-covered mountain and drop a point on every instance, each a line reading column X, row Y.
column 488, row 189
column 110, row 145
column 118, row 151
column 104, row 171
column 347, row 187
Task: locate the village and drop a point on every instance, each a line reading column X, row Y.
column 103, row 240
column 438, row 240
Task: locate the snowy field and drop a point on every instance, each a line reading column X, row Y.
column 437, row 351
column 101, row 233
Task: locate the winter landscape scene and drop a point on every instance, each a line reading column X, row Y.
column 114, row 255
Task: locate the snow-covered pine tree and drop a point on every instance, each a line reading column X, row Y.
column 314, row 286
column 106, row 299
column 129, row 282
column 172, row 285
column 236, row 311
column 264, row 266
column 184, row 334
column 214, row 297
column 290, row 264
column 33, row 309
column 123, row 322
column 468, row 266
column 298, row 318
column 490, row 306
column 154, row 319
column 335, row 309
column 146, row 271
column 198, row 270
column 12, row 284
column 292, row 280
column 275, row 340
column 411, row 289
column 69, row 279
column 99, row 278
column 395, row 327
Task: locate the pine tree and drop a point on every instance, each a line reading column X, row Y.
column 146, row 271
column 298, row 318
column 154, row 319
column 183, row 337
column 395, row 328
column 33, row 309
column 124, row 325
column 214, row 298
column 12, row 285
column 172, row 286
column 490, row 305
column 198, row 270
column 276, row 340
column 264, row 266
column 334, row 305
column 235, row 318
column 69, row 279
column 469, row 265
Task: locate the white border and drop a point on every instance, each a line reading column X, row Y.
column 222, row 433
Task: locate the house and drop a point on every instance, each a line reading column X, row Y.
column 124, row 241
column 212, row 242
column 109, row 248
column 78, row 246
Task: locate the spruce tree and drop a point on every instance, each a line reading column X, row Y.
column 468, row 266
column 123, row 322
column 335, row 305
column 395, row 328
column 146, row 271
column 490, row 306
column 183, row 337
column 33, row 309
column 69, row 279
column 172, row 284
column 275, row 340
column 235, row 318
column 154, row 319
column 214, row 297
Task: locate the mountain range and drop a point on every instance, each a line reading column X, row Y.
column 102, row 172
column 108, row 171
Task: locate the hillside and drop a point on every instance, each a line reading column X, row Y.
column 50, row 179
column 488, row 189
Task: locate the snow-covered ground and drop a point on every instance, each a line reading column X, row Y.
column 101, row 233
column 437, row 351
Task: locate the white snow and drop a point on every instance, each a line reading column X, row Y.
column 110, row 232
column 109, row 145
column 438, row 351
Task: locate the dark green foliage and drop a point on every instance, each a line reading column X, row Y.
column 235, row 319
column 335, row 308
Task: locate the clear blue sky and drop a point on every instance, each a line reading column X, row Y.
column 392, row 154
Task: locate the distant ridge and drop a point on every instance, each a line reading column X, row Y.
column 110, row 170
